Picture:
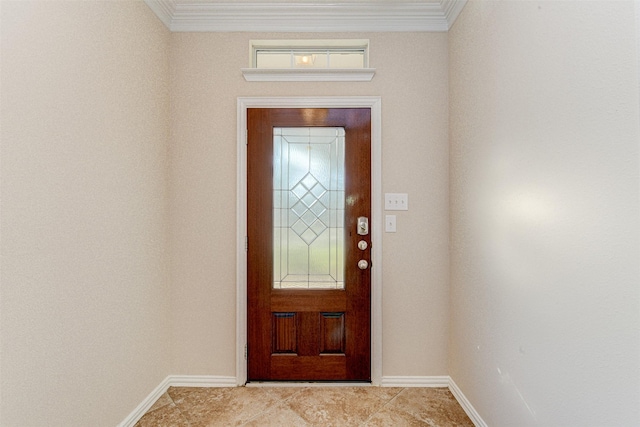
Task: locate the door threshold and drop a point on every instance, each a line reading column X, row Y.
column 307, row 384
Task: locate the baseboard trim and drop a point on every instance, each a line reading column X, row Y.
column 144, row 406
column 175, row 381
column 432, row 381
column 476, row 419
column 202, row 381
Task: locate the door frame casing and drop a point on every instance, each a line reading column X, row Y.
column 372, row 102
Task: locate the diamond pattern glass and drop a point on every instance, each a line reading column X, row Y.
column 308, row 204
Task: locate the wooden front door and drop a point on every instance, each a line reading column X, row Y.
column 308, row 291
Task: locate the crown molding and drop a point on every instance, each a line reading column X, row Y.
column 452, row 9
column 164, row 10
column 186, row 16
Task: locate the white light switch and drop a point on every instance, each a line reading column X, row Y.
column 390, row 223
column 396, row 202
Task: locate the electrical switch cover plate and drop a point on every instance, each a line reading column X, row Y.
column 396, row 202
column 390, row 223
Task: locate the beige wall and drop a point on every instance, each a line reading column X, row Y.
column 411, row 78
column 545, row 212
column 84, row 287
column 118, row 268
column 118, row 260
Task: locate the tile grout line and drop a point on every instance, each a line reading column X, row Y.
column 171, row 402
column 383, row 406
column 185, row 416
column 159, row 407
column 275, row 405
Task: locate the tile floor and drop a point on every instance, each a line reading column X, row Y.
column 305, row 406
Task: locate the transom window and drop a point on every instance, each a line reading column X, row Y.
column 309, row 54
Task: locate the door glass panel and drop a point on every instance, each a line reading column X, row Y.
column 308, row 208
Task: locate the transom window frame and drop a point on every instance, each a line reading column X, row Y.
column 293, row 46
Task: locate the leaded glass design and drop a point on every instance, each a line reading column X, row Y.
column 308, row 208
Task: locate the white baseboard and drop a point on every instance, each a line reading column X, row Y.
column 466, row 405
column 175, row 381
column 432, row 381
column 143, row 407
column 202, row 381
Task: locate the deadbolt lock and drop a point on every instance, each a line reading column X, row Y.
column 363, row 225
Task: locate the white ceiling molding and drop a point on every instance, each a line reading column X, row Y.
column 213, row 16
column 452, row 9
column 164, row 9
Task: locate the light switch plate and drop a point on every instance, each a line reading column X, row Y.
column 390, row 223
column 396, row 202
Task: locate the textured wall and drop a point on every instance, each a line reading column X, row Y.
column 545, row 212
column 411, row 78
column 84, row 128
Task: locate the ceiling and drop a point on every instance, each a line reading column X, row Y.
column 307, row 16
